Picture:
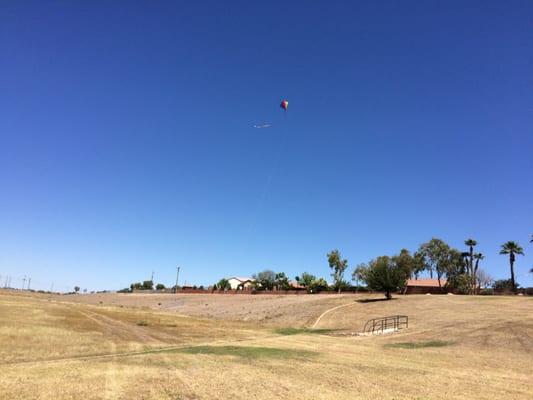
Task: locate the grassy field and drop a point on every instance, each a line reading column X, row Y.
column 456, row 347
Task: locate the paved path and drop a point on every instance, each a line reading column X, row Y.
column 330, row 310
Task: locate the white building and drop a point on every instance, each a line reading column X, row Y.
column 239, row 282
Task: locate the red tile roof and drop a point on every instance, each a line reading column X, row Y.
column 426, row 282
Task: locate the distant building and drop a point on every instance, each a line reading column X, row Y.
column 240, row 283
column 295, row 285
column 424, row 286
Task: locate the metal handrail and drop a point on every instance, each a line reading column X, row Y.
column 381, row 324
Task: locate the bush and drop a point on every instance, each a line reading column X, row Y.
column 223, row 284
column 460, row 283
column 486, row 292
column 504, row 284
column 317, row 286
column 160, row 286
column 148, row 285
column 384, row 274
column 265, row 280
column 343, row 285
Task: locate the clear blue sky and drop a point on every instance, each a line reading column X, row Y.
column 126, row 143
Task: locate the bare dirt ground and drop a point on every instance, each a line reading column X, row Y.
column 274, row 310
column 456, row 347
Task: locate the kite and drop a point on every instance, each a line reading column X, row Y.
column 284, row 104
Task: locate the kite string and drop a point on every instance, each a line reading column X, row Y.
column 266, row 187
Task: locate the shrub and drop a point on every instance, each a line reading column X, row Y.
column 461, row 283
column 343, row 286
column 504, row 284
column 223, row 284
column 318, row 285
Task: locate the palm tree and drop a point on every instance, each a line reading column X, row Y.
column 512, row 248
column 471, row 243
column 477, row 256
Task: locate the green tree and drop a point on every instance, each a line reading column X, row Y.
column 471, row 243
column 405, row 260
column 160, row 286
column 311, row 283
column 148, row 285
column 306, row 279
column 436, row 255
column 281, row 281
column 512, row 248
column 477, row 257
column 384, row 274
column 338, row 266
column 318, row 285
column 223, row 284
column 457, row 276
column 505, row 284
column 265, row 280
column 418, row 264
column 76, row 289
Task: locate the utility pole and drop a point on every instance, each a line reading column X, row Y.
column 5, row 284
column 23, row 282
column 152, row 277
column 29, row 281
column 52, row 288
column 177, row 277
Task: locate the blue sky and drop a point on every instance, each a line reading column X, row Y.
column 126, row 143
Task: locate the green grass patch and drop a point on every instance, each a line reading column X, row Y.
column 248, row 352
column 298, row 331
column 420, row 345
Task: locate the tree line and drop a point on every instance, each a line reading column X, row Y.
column 456, row 270
column 461, row 269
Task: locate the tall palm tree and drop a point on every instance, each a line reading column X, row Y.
column 512, row 248
column 471, row 243
column 477, row 256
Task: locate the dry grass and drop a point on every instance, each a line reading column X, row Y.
column 272, row 310
column 457, row 347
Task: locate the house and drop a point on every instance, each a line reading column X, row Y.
column 240, row 283
column 424, row 286
column 295, row 285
